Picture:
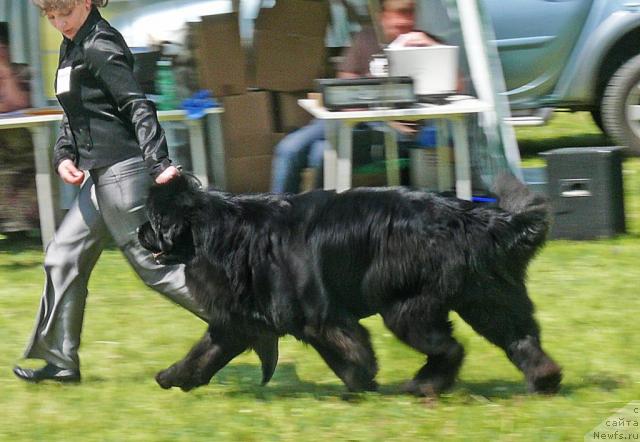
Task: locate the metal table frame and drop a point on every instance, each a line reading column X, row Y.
column 40, row 127
column 338, row 159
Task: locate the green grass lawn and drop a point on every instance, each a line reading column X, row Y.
column 588, row 304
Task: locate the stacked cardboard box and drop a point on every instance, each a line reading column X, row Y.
column 290, row 45
column 220, row 58
column 288, row 55
column 248, row 130
column 288, row 115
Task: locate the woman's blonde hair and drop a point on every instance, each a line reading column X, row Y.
column 64, row 5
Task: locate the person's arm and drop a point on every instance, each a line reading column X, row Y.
column 64, row 155
column 64, row 147
column 356, row 58
column 107, row 61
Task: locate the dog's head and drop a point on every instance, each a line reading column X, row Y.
column 170, row 209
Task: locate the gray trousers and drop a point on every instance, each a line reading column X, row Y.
column 110, row 202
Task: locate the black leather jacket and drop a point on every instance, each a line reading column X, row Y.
column 107, row 117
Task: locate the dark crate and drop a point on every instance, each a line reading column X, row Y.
column 586, row 192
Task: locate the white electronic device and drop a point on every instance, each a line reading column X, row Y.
column 434, row 69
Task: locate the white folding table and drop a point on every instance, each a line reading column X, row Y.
column 38, row 121
column 338, row 159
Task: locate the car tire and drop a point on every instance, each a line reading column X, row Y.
column 621, row 106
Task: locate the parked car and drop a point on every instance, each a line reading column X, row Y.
column 581, row 55
column 572, row 54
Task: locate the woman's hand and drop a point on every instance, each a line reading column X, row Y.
column 404, row 127
column 69, row 173
column 167, row 175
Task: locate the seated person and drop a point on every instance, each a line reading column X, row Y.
column 18, row 203
column 305, row 147
column 14, row 78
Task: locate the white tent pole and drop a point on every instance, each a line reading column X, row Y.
column 32, row 20
column 480, row 70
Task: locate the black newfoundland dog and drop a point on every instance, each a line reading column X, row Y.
column 312, row 265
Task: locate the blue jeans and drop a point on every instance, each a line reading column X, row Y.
column 300, row 149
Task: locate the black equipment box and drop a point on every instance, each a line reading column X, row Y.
column 586, row 192
column 346, row 93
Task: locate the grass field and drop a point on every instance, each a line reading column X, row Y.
column 588, row 304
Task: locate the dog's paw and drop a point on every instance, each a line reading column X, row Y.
column 428, row 388
column 169, row 378
column 166, row 379
column 546, row 379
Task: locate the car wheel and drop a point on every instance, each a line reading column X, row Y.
column 621, row 106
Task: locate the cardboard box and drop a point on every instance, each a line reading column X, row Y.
column 220, row 58
column 247, row 124
column 249, row 174
column 289, row 45
column 289, row 115
column 242, row 162
column 248, row 145
column 304, row 17
column 276, row 138
column 288, row 62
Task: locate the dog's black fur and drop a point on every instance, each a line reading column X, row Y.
column 312, row 265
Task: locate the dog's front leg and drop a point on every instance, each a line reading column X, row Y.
column 204, row 360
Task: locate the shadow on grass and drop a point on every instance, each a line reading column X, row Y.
column 244, row 380
column 20, row 242
column 17, row 266
column 504, row 389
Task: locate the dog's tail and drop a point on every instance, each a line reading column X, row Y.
column 530, row 215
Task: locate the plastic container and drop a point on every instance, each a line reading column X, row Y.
column 165, row 78
column 379, row 66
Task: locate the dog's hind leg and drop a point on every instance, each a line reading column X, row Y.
column 428, row 330
column 505, row 318
column 347, row 349
column 205, row 359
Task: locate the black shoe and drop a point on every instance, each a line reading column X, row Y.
column 49, row 372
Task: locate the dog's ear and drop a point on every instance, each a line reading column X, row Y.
column 192, row 181
column 183, row 183
column 169, row 234
column 178, row 194
column 186, row 202
column 166, row 239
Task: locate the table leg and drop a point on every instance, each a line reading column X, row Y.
column 462, row 159
column 198, row 151
column 44, row 182
column 216, row 154
column 330, row 158
column 445, row 157
column 344, row 166
column 391, row 156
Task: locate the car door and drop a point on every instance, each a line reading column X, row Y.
column 535, row 39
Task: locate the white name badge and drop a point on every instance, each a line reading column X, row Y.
column 63, row 84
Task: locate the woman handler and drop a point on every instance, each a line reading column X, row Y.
column 111, row 130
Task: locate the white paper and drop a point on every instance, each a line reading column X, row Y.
column 63, row 84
